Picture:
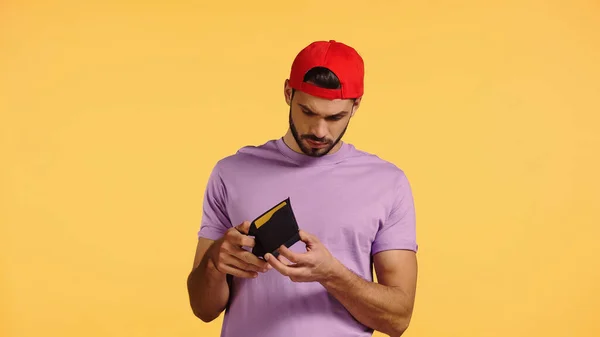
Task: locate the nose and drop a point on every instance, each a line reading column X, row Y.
column 320, row 129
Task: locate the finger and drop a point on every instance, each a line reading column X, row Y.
column 307, row 237
column 246, row 261
column 243, row 228
column 237, row 263
column 291, row 256
column 237, row 238
column 245, row 241
column 279, row 266
column 252, row 259
column 283, row 260
column 228, row 269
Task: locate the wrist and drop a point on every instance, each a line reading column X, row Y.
column 336, row 273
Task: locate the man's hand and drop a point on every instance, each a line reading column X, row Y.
column 316, row 265
column 228, row 256
column 386, row 306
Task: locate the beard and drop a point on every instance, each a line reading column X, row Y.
column 309, row 151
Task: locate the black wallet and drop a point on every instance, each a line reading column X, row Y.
column 275, row 227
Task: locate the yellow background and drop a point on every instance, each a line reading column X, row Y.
column 113, row 114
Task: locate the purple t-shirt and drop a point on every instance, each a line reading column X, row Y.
column 355, row 203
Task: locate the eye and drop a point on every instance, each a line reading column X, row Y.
column 308, row 113
column 334, row 118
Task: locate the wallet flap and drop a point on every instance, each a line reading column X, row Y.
column 275, row 227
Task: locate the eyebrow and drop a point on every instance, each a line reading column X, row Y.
column 341, row 113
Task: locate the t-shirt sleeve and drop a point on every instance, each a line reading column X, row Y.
column 215, row 220
column 398, row 231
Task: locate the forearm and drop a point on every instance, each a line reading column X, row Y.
column 380, row 307
column 208, row 291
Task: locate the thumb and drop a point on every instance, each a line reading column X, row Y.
column 307, row 238
column 244, row 227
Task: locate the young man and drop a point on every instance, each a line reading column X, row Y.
column 355, row 212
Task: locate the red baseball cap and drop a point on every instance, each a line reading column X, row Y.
column 340, row 58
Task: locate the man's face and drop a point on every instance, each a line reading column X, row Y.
column 318, row 124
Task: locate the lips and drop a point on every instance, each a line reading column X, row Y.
column 316, row 144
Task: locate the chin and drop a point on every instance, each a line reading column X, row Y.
column 316, row 152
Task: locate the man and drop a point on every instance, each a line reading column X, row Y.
column 355, row 212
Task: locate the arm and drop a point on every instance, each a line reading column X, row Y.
column 207, row 283
column 385, row 306
column 219, row 252
column 207, row 287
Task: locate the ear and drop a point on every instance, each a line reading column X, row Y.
column 355, row 106
column 287, row 91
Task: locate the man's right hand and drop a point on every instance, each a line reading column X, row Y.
column 228, row 257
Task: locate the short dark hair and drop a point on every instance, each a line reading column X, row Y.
column 322, row 77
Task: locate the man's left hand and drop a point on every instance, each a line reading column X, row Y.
column 316, row 265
